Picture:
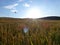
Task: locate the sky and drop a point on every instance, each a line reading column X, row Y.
column 29, row 8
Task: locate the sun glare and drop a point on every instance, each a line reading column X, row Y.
column 34, row 13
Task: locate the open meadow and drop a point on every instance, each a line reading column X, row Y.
column 29, row 32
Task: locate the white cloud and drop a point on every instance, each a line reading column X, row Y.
column 11, row 6
column 31, row 1
column 26, row 5
column 14, row 10
column 21, row 0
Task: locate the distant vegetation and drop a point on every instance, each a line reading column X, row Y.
column 52, row 18
column 40, row 32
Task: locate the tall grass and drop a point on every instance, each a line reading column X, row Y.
column 39, row 33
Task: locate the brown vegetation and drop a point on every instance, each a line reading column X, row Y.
column 40, row 32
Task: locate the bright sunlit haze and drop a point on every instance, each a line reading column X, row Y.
column 33, row 13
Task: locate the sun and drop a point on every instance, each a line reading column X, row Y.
column 34, row 13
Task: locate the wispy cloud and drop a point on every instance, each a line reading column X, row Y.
column 26, row 5
column 14, row 10
column 21, row 0
column 11, row 6
column 24, row 0
column 31, row 1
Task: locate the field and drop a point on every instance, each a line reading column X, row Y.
column 40, row 32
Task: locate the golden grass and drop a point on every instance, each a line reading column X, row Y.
column 40, row 32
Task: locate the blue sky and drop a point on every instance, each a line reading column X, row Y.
column 21, row 7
